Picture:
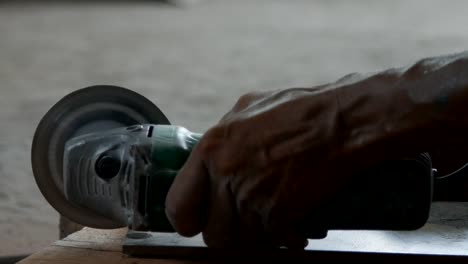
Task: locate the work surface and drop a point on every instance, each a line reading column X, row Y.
column 446, row 236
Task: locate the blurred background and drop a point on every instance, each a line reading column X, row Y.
column 193, row 59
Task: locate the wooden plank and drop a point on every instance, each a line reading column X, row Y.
column 95, row 239
column 70, row 255
column 67, row 227
column 91, row 246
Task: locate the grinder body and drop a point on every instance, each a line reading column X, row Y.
column 139, row 164
column 105, row 157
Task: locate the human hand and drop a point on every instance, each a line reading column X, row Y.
column 278, row 155
column 256, row 174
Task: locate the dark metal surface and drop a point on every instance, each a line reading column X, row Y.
column 87, row 110
column 444, row 238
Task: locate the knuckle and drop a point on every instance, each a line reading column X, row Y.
column 245, row 100
column 216, row 149
column 247, row 97
column 210, row 141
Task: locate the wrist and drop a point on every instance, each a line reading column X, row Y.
column 419, row 108
column 379, row 119
column 437, row 89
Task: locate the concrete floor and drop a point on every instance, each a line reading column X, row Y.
column 193, row 62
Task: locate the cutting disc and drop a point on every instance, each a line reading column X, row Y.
column 91, row 109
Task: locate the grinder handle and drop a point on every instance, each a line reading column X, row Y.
column 395, row 195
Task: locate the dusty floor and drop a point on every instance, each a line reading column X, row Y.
column 193, row 62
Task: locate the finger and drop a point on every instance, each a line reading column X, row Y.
column 186, row 199
column 221, row 227
column 290, row 240
column 284, row 233
column 226, row 228
column 252, row 196
column 252, row 233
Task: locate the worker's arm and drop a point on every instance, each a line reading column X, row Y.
column 276, row 155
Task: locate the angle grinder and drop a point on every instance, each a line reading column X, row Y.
column 105, row 157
